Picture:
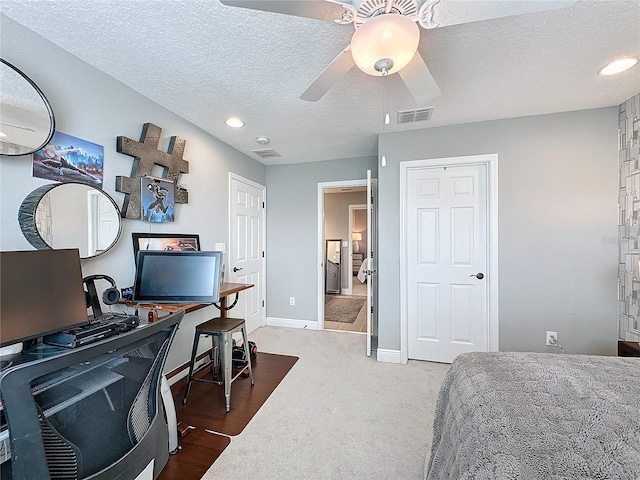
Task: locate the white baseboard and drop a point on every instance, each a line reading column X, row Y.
column 388, row 356
column 292, row 323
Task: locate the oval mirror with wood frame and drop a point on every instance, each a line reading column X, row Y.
column 70, row 215
column 26, row 118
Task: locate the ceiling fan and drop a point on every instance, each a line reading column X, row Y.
column 386, row 35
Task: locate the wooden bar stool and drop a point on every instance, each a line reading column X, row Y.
column 221, row 330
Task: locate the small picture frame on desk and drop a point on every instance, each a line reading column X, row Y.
column 176, row 242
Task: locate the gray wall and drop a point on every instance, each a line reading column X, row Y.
column 292, row 231
column 558, row 191
column 64, row 231
column 336, row 225
column 93, row 106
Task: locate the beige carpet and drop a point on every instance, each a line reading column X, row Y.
column 338, row 414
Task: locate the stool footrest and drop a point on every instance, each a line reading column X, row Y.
column 219, row 382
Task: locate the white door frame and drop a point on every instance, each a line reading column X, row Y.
column 263, row 240
column 321, row 188
column 491, row 162
column 352, row 209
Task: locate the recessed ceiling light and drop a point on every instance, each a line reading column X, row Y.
column 234, row 122
column 3, row 135
column 618, row 66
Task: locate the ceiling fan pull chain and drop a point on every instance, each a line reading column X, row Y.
column 426, row 14
column 385, row 81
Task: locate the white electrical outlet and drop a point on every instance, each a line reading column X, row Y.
column 292, row 300
column 552, row 339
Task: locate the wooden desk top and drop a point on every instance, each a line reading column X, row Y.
column 230, row 288
column 225, row 290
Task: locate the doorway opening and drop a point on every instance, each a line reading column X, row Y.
column 341, row 306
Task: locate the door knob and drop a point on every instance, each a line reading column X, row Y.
column 236, row 269
column 479, row 276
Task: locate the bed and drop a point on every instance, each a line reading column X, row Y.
column 364, row 266
column 537, row 416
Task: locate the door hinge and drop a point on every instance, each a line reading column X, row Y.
column 262, row 204
column 262, row 254
column 371, row 308
column 263, row 303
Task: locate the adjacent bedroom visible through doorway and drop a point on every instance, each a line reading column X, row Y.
column 345, row 240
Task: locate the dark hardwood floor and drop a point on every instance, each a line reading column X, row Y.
column 199, row 450
column 205, row 410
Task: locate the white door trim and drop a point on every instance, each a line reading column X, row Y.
column 320, row 249
column 263, row 240
column 491, row 161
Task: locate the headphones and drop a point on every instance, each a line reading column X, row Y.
column 110, row 296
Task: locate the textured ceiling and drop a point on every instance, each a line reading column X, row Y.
column 206, row 62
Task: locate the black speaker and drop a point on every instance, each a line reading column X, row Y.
column 110, row 296
column 237, row 353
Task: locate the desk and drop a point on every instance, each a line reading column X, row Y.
column 225, row 290
column 76, row 412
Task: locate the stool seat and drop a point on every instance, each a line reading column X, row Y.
column 221, row 329
column 220, row 324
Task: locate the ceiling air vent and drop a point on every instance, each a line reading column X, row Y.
column 266, row 153
column 418, row 115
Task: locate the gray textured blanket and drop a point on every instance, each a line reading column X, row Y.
column 537, row 416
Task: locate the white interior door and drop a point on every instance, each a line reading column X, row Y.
column 446, row 253
column 102, row 222
column 246, row 249
column 108, row 223
column 372, row 275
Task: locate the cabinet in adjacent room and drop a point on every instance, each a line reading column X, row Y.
column 357, row 259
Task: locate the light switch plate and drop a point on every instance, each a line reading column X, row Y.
column 221, row 247
column 345, row 243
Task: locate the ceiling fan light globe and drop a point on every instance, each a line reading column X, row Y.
column 388, row 36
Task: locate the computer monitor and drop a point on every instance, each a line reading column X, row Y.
column 41, row 292
column 177, row 277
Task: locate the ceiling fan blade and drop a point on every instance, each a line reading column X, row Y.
column 329, row 76
column 419, row 81
column 318, row 9
column 454, row 12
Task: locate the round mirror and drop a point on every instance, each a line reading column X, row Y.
column 26, row 117
column 70, row 215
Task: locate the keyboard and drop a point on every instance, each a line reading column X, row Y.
column 104, row 326
column 110, row 318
